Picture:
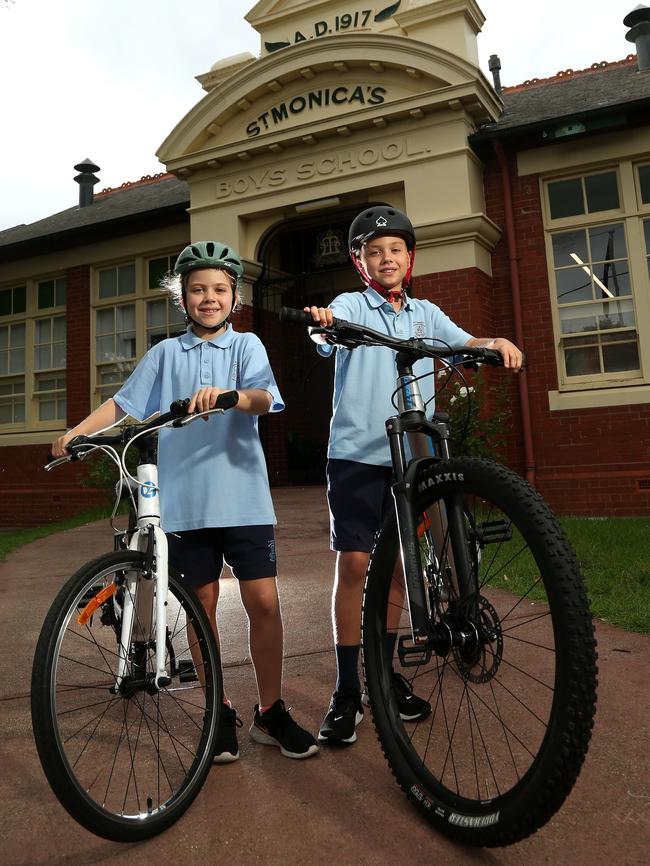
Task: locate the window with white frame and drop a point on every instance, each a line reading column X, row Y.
column 131, row 314
column 593, row 223
column 32, row 380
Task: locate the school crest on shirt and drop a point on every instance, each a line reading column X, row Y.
column 234, row 371
column 418, row 330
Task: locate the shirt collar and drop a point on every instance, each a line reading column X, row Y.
column 375, row 300
column 189, row 339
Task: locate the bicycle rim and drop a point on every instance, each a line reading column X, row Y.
column 512, row 708
column 124, row 763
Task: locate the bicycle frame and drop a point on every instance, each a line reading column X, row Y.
column 150, row 539
column 412, row 422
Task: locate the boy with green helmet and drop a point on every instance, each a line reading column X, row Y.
column 215, row 500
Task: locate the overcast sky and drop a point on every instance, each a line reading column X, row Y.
column 109, row 79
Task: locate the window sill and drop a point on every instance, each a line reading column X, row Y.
column 593, row 399
column 33, row 437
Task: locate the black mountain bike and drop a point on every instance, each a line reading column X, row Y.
column 475, row 576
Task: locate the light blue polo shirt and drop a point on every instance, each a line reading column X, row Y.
column 365, row 377
column 211, row 473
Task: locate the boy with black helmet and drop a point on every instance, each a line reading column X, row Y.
column 382, row 249
column 216, row 503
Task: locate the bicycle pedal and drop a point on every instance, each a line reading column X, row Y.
column 411, row 654
column 187, row 671
column 493, row 531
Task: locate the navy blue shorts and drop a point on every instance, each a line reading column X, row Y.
column 199, row 554
column 358, row 495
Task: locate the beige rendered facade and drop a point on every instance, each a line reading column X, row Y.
column 361, row 103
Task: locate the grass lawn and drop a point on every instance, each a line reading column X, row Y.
column 614, row 554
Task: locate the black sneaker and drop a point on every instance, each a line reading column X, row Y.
column 411, row 707
column 226, row 749
column 275, row 727
column 344, row 714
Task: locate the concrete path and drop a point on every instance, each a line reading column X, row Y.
column 341, row 808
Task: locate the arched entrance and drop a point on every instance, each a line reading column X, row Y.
column 304, row 263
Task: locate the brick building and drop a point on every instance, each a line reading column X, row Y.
column 531, row 206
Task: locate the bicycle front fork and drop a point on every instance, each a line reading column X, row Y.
column 446, row 524
column 141, row 618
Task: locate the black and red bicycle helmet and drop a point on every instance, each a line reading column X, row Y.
column 373, row 222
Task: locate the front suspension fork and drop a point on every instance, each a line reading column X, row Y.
column 404, row 493
column 138, row 619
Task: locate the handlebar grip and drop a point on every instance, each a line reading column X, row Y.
column 299, row 317
column 227, row 400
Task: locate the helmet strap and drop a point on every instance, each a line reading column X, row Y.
column 211, row 330
column 391, row 295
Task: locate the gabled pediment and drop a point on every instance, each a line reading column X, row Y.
column 314, row 90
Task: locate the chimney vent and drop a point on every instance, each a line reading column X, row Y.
column 86, row 180
column 638, row 20
column 494, row 65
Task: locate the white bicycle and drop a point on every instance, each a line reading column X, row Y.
column 126, row 684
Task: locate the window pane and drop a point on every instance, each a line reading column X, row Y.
column 565, row 198
column 607, row 242
column 568, row 245
column 106, row 321
column 157, row 270
column 105, row 348
column 582, row 362
column 602, row 191
column 43, row 331
column 60, row 292
column 59, row 355
column 157, row 314
column 5, row 302
column 42, row 358
column 612, row 279
column 126, row 280
column 125, row 318
column 125, row 346
column 644, row 183
column 4, row 338
column 17, row 361
column 20, row 299
column 108, row 283
column 573, row 284
column 46, row 294
column 620, row 357
column 59, row 332
column 46, row 410
column 18, row 336
column 595, row 317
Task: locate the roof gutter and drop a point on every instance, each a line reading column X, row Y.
column 515, row 288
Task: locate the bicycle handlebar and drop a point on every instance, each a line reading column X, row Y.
column 351, row 335
column 176, row 417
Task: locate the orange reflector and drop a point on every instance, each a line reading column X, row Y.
column 424, row 524
column 96, row 602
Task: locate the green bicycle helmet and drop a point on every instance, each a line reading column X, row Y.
column 209, row 254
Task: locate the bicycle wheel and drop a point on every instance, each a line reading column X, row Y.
column 512, row 702
column 127, row 763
